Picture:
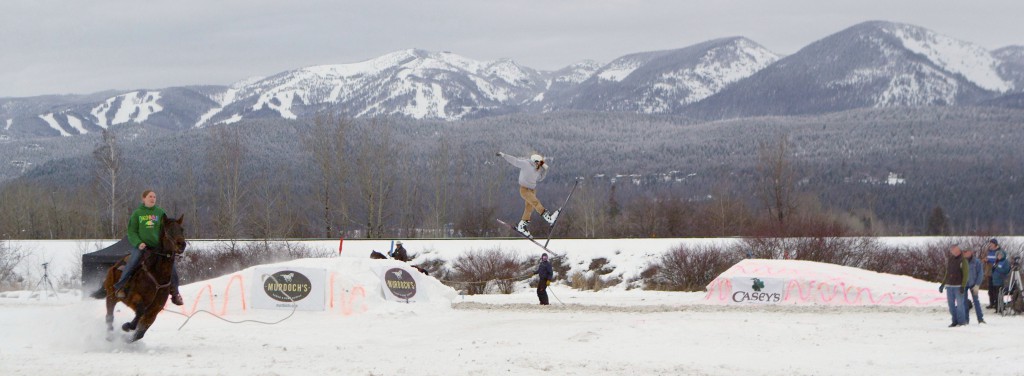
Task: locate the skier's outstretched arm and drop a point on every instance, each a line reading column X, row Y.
column 517, row 162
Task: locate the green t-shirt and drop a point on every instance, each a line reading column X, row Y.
column 144, row 226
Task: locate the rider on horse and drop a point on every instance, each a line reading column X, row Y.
column 144, row 233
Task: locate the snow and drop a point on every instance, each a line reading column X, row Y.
column 52, row 122
column 927, row 86
column 612, row 332
column 223, row 100
column 142, row 105
column 969, row 60
column 135, row 106
column 429, row 102
column 579, row 72
column 100, row 112
column 76, row 124
column 619, row 70
column 715, row 72
column 281, row 101
column 231, row 120
column 9, row 123
column 813, row 283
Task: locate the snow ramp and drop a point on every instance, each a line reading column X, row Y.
column 756, row 281
column 343, row 286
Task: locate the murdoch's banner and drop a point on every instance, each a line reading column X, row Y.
column 757, row 290
column 399, row 283
column 289, row 288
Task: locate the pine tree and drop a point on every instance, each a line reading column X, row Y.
column 938, row 224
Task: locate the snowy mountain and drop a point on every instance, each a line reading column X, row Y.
column 665, row 81
column 872, row 64
column 1012, row 65
column 171, row 108
column 413, row 83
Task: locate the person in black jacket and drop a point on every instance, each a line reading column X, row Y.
column 544, row 276
column 400, row 253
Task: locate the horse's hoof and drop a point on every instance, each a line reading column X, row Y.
column 127, row 327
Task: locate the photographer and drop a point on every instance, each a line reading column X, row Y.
column 1000, row 269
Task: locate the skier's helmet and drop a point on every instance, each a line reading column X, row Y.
column 536, row 158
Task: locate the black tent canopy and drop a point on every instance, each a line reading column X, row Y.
column 96, row 264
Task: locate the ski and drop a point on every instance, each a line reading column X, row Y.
column 545, row 248
column 551, row 229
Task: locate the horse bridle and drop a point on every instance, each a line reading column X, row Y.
column 149, row 274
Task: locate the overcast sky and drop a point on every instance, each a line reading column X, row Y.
column 70, row 46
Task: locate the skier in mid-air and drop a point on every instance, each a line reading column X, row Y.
column 531, row 171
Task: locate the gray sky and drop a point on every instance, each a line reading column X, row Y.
column 70, row 46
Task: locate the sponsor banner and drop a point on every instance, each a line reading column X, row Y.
column 287, row 287
column 757, row 290
column 400, row 283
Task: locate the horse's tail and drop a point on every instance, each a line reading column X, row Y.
column 99, row 294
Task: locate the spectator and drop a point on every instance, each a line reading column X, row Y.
column 544, row 276
column 1000, row 269
column 955, row 282
column 976, row 273
column 399, row 253
column 993, row 247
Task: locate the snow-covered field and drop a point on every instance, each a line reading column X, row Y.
column 615, row 332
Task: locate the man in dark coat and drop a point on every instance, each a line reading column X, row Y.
column 954, row 282
column 400, row 253
column 544, row 276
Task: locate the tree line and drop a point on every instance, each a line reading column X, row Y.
column 643, row 176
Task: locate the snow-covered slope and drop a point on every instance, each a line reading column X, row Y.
column 666, row 81
column 413, row 83
column 872, row 64
column 1011, row 65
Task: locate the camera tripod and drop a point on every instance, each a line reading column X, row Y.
column 45, row 284
column 1012, row 288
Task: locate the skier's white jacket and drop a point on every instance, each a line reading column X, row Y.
column 529, row 176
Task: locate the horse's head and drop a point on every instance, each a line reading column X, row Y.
column 174, row 235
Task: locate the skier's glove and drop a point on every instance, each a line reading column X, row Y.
column 549, row 283
column 941, row 287
column 498, row 153
column 963, row 289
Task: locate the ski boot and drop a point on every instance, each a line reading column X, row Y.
column 550, row 217
column 521, row 227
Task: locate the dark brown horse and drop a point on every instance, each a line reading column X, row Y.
column 149, row 287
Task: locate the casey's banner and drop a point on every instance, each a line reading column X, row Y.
column 756, row 290
column 289, row 288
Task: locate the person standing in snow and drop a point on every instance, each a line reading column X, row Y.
column 976, row 273
column 1000, row 269
column 531, row 172
column 144, row 229
column 990, row 260
column 955, row 283
column 544, row 276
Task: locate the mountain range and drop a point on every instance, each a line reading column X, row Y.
column 869, row 65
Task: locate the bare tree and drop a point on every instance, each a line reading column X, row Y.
column 777, row 180
column 325, row 141
column 271, row 215
column 225, row 156
column 443, row 181
column 375, row 157
column 108, row 155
